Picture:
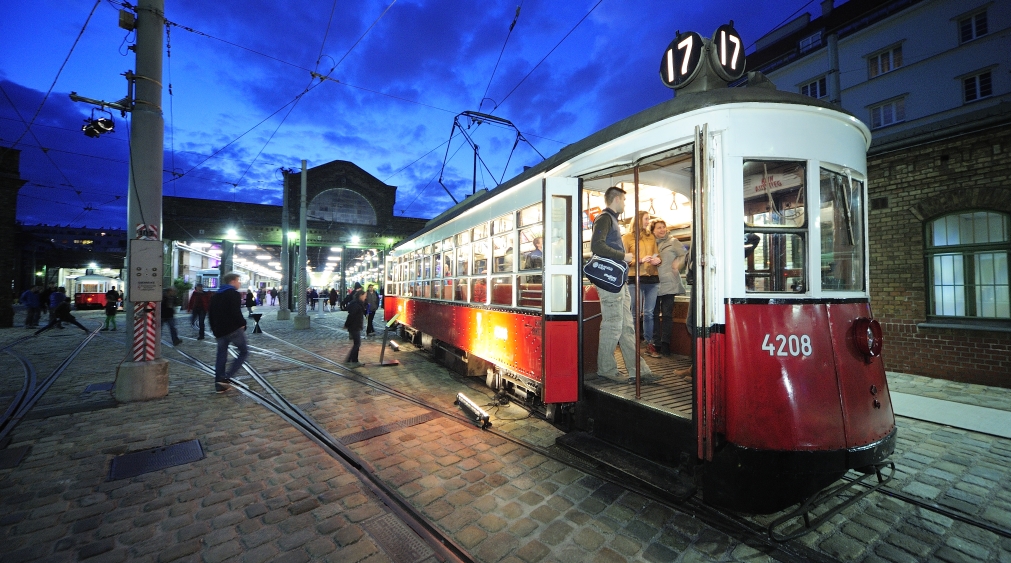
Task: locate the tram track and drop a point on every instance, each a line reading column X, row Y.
column 32, row 390
column 732, row 525
column 445, row 548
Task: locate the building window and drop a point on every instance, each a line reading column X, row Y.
column 972, row 27
column 886, row 61
column 816, row 89
column 888, row 113
column 810, row 42
column 967, row 256
column 977, row 87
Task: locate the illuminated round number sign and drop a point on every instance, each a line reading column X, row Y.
column 681, row 59
column 727, row 54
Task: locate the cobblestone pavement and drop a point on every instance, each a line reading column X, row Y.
column 265, row 492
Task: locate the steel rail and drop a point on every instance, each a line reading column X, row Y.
column 937, row 509
column 26, row 390
column 33, row 397
column 442, row 545
column 730, row 524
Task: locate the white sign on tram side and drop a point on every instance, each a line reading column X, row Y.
column 791, row 345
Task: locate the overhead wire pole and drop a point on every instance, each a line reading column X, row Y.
column 144, row 373
column 302, row 319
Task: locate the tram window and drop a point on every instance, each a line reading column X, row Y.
column 774, row 193
column 775, row 262
column 437, row 265
column 532, row 248
column 447, row 264
column 842, row 232
column 463, row 260
column 502, row 224
column 437, row 289
column 479, row 291
column 426, row 289
column 480, row 231
column 412, row 289
column 437, row 247
column 426, row 268
column 481, row 252
column 417, row 269
column 529, row 292
column 503, row 253
column 529, row 216
column 561, row 219
column 462, row 287
column 447, row 289
column 502, row 290
column 561, row 293
column 463, row 238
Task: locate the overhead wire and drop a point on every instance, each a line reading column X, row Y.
column 560, row 41
column 780, row 24
column 56, row 78
column 500, row 53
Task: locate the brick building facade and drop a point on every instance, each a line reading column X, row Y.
column 939, row 108
column 909, row 188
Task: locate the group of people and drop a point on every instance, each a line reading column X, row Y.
column 54, row 301
column 658, row 263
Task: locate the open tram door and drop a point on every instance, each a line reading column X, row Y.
column 701, row 275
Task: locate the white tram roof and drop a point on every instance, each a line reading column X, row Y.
column 761, row 92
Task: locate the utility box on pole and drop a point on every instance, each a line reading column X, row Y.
column 144, row 374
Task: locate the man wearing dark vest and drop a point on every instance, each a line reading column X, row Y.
column 616, row 328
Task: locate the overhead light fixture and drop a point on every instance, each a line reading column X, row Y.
column 263, row 257
column 96, row 127
column 231, row 232
column 355, row 239
column 335, row 249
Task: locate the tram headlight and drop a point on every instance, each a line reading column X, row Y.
column 867, row 337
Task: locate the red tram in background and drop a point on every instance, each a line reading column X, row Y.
column 89, row 291
column 788, row 389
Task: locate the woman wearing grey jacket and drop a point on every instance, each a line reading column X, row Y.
column 672, row 258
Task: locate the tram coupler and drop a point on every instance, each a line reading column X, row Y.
column 823, row 497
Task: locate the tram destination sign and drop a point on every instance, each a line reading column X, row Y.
column 688, row 54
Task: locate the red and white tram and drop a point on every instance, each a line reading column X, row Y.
column 788, row 389
column 89, row 291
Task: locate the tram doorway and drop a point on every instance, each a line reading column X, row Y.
column 663, row 184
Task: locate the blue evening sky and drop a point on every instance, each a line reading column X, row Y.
column 391, row 111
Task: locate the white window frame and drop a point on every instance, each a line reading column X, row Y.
column 897, row 104
column 820, row 83
column 968, row 253
column 976, row 86
column 811, row 42
column 875, row 58
column 971, row 17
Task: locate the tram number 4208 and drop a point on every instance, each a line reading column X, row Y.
column 791, row 345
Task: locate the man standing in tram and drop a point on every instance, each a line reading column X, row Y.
column 616, row 328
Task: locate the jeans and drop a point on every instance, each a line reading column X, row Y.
column 171, row 322
column 616, row 330
column 198, row 318
column 648, row 293
column 237, row 338
column 663, row 320
column 370, row 330
column 32, row 318
column 356, row 336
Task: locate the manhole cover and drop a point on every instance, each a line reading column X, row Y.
column 155, row 459
column 99, row 387
column 397, row 540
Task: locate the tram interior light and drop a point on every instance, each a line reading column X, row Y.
column 475, row 413
column 355, row 239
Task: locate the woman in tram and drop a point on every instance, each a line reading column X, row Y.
column 646, row 262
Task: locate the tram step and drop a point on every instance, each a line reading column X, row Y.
column 677, row 484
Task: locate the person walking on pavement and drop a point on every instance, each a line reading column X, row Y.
column 198, row 305
column 372, row 303
column 30, row 299
column 55, row 299
column 168, row 314
column 273, row 296
column 250, row 301
column 354, row 323
column 333, row 299
column 111, row 306
column 61, row 314
column 229, row 327
column 616, row 327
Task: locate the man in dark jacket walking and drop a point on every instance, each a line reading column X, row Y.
column 229, row 327
column 61, row 314
column 30, row 299
column 199, row 301
column 354, row 324
column 372, row 302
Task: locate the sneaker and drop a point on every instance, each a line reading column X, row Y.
column 222, row 386
column 651, row 351
column 176, row 342
column 103, row 330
